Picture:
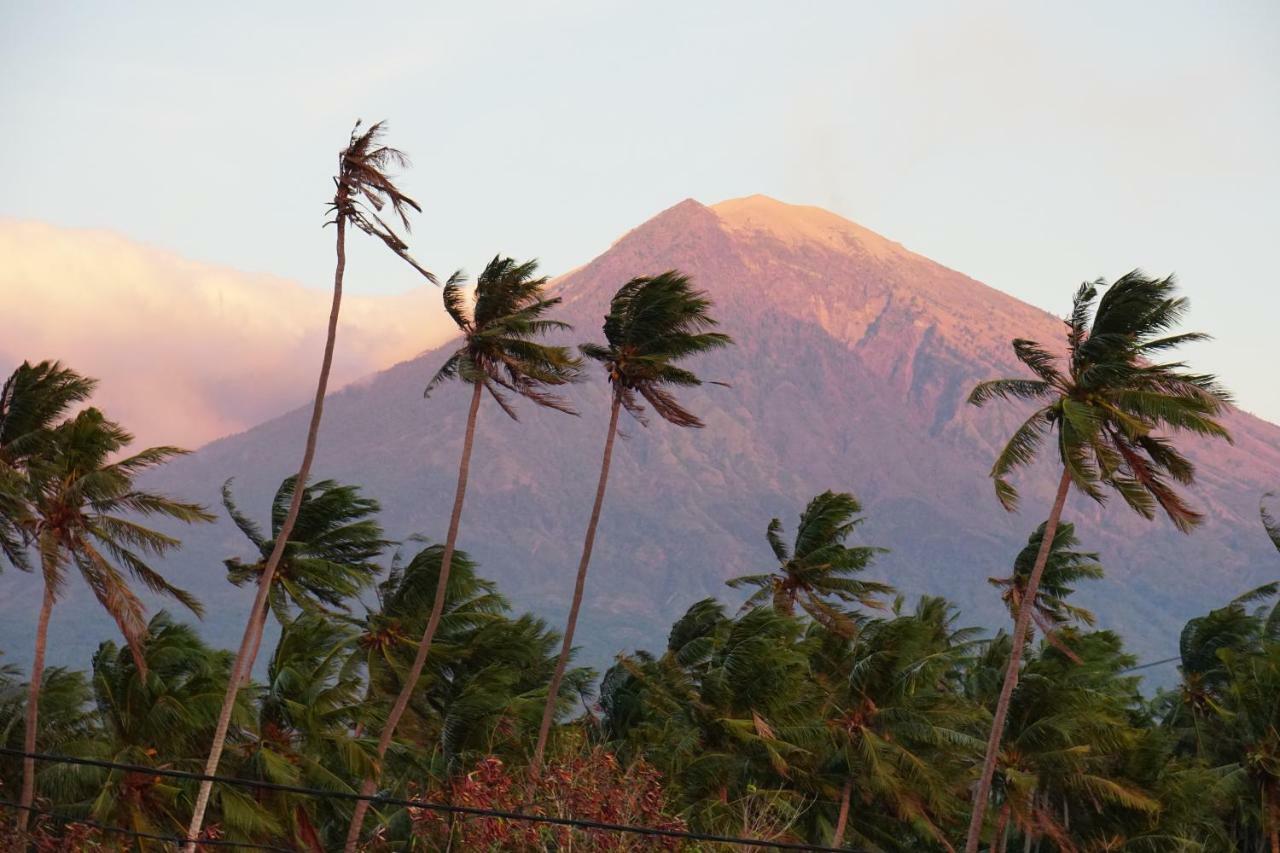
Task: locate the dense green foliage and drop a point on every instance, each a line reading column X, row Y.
column 764, row 722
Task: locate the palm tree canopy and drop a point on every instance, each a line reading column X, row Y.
column 1108, row 404
column 819, row 566
column 652, row 324
column 500, row 331
column 332, row 550
column 85, row 510
column 1064, row 568
column 32, row 400
column 363, row 188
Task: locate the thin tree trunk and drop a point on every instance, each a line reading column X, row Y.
column 33, row 708
column 1002, row 830
column 571, row 624
column 837, row 836
column 248, row 644
column 261, row 626
column 1020, row 628
column 424, row 646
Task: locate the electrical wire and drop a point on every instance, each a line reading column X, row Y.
column 469, row 811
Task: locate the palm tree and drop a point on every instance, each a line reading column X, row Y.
column 329, row 559
column 303, row 736
column 1069, row 724
column 819, row 567
column 1105, row 412
column 362, row 189
column 892, row 726
column 717, row 710
column 501, row 354
column 84, row 511
column 1249, row 731
column 1064, row 567
column 32, row 400
column 652, row 325
column 158, row 717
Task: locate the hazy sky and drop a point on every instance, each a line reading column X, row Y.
column 1029, row 145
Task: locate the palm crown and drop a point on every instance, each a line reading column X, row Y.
column 32, row 400
column 84, row 513
column 499, row 347
column 1064, row 567
column 1106, row 408
column 819, row 566
column 331, row 553
column 363, row 188
column 652, row 324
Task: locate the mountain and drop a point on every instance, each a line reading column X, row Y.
column 853, row 360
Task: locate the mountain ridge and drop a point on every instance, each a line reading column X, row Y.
column 853, row 360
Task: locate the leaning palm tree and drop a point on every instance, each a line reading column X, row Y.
column 819, row 571
column 330, row 556
column 1064, row 567
column 501, row 354
column 1106, row 409
column 85, row 511
column 652, row 324
column 362, row 189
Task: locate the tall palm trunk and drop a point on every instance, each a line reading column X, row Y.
column 837, row 835
column 260, row 624
column 248, row 644
column 33, row 705
column 566, row 647
column 1020, row 629
column 424, row 646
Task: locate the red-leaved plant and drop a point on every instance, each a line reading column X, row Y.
column 592, row 786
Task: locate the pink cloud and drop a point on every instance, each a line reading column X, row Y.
column 187, row 352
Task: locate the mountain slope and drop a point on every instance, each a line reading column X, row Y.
column 853, row 361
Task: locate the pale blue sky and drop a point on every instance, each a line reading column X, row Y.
column 1028, row 145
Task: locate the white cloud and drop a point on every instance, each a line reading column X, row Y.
column 187, row 352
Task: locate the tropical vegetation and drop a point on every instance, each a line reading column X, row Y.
column 403, row 703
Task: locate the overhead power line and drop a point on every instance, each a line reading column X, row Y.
column 376, row 800
column 176, row 840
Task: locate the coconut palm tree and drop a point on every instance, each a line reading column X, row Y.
column 1248, row 735
column 32, row 400
column 1106, row 408
column 303, row 733
column 331, row 555
column 158, row 717
column 500, row 354
column 1064, row 567
column 1068, row 725
column 362, row 188
column 653, row 324
column 85, row 511
column 893, row 728
column 717, row 710
column 819, row 567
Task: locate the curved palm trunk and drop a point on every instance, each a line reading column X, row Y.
column 424, row 646
column 249, row 643
column 983, row 791
column 566, row 647
column 33, row 709
column 837, row 835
